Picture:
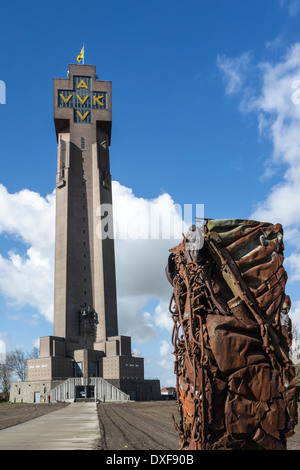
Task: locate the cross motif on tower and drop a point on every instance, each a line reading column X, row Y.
column 82, row 99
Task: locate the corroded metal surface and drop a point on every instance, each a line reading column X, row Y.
column 235, row 382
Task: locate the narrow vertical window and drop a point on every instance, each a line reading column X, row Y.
column 83, row 143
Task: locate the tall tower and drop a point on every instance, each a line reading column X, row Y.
column 85, row 347
column 85, row 281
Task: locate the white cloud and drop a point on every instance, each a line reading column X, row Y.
column 133, row 321
column 293, row 6
column 165, row 351
column 294, row 315
column 28, row 216
column 165, row 348
column 281, row 124
column 27, row 279
column 4, row 346
column 140, row 263
column 162, row 315
column 293, row 262
column 136, row 353
column 166, row 364
column 234, row 71
column 279, row 121
column 36, row 343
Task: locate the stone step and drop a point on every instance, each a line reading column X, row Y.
column 85, row 399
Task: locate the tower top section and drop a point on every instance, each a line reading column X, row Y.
column 82, row 100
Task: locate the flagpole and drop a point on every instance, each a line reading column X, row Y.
column 83, row 55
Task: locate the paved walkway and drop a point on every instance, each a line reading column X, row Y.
column 74, row 427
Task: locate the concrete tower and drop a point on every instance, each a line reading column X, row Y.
column 85, row 349
column 85, row 283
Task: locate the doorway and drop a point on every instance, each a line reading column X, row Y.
column 85, row 391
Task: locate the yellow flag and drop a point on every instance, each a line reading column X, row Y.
column 80, row 56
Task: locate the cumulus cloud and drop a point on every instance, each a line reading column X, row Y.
column 293, row 6
column 4, row 345
column 133, row 320
column 28, row 216
column 136, row 218
column 165, row 351
column 277, row 106
column 145, row 230
column 235, row 71
column 281, row 116
column 27, row 278
column 162, row 317
column 165, row 348
column 293, row 262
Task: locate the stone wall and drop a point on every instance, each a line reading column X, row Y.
column 32, row 392
column 139, row 390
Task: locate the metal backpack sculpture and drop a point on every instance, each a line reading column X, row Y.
column 235, row 381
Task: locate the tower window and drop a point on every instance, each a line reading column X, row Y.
column 83, row 143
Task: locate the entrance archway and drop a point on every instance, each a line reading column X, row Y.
column 85, row 391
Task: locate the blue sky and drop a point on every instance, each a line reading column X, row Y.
column 202, row 114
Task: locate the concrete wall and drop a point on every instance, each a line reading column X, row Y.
column 52, row 346
column 103, row 390
column 139, row 390
column 115, row 346
column 122, row 367
column 46, row 368
column 25, row 391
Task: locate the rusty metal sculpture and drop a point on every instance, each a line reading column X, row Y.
column 235, row 381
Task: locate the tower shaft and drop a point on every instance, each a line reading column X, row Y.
column 84, row 263
column 85, row 344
